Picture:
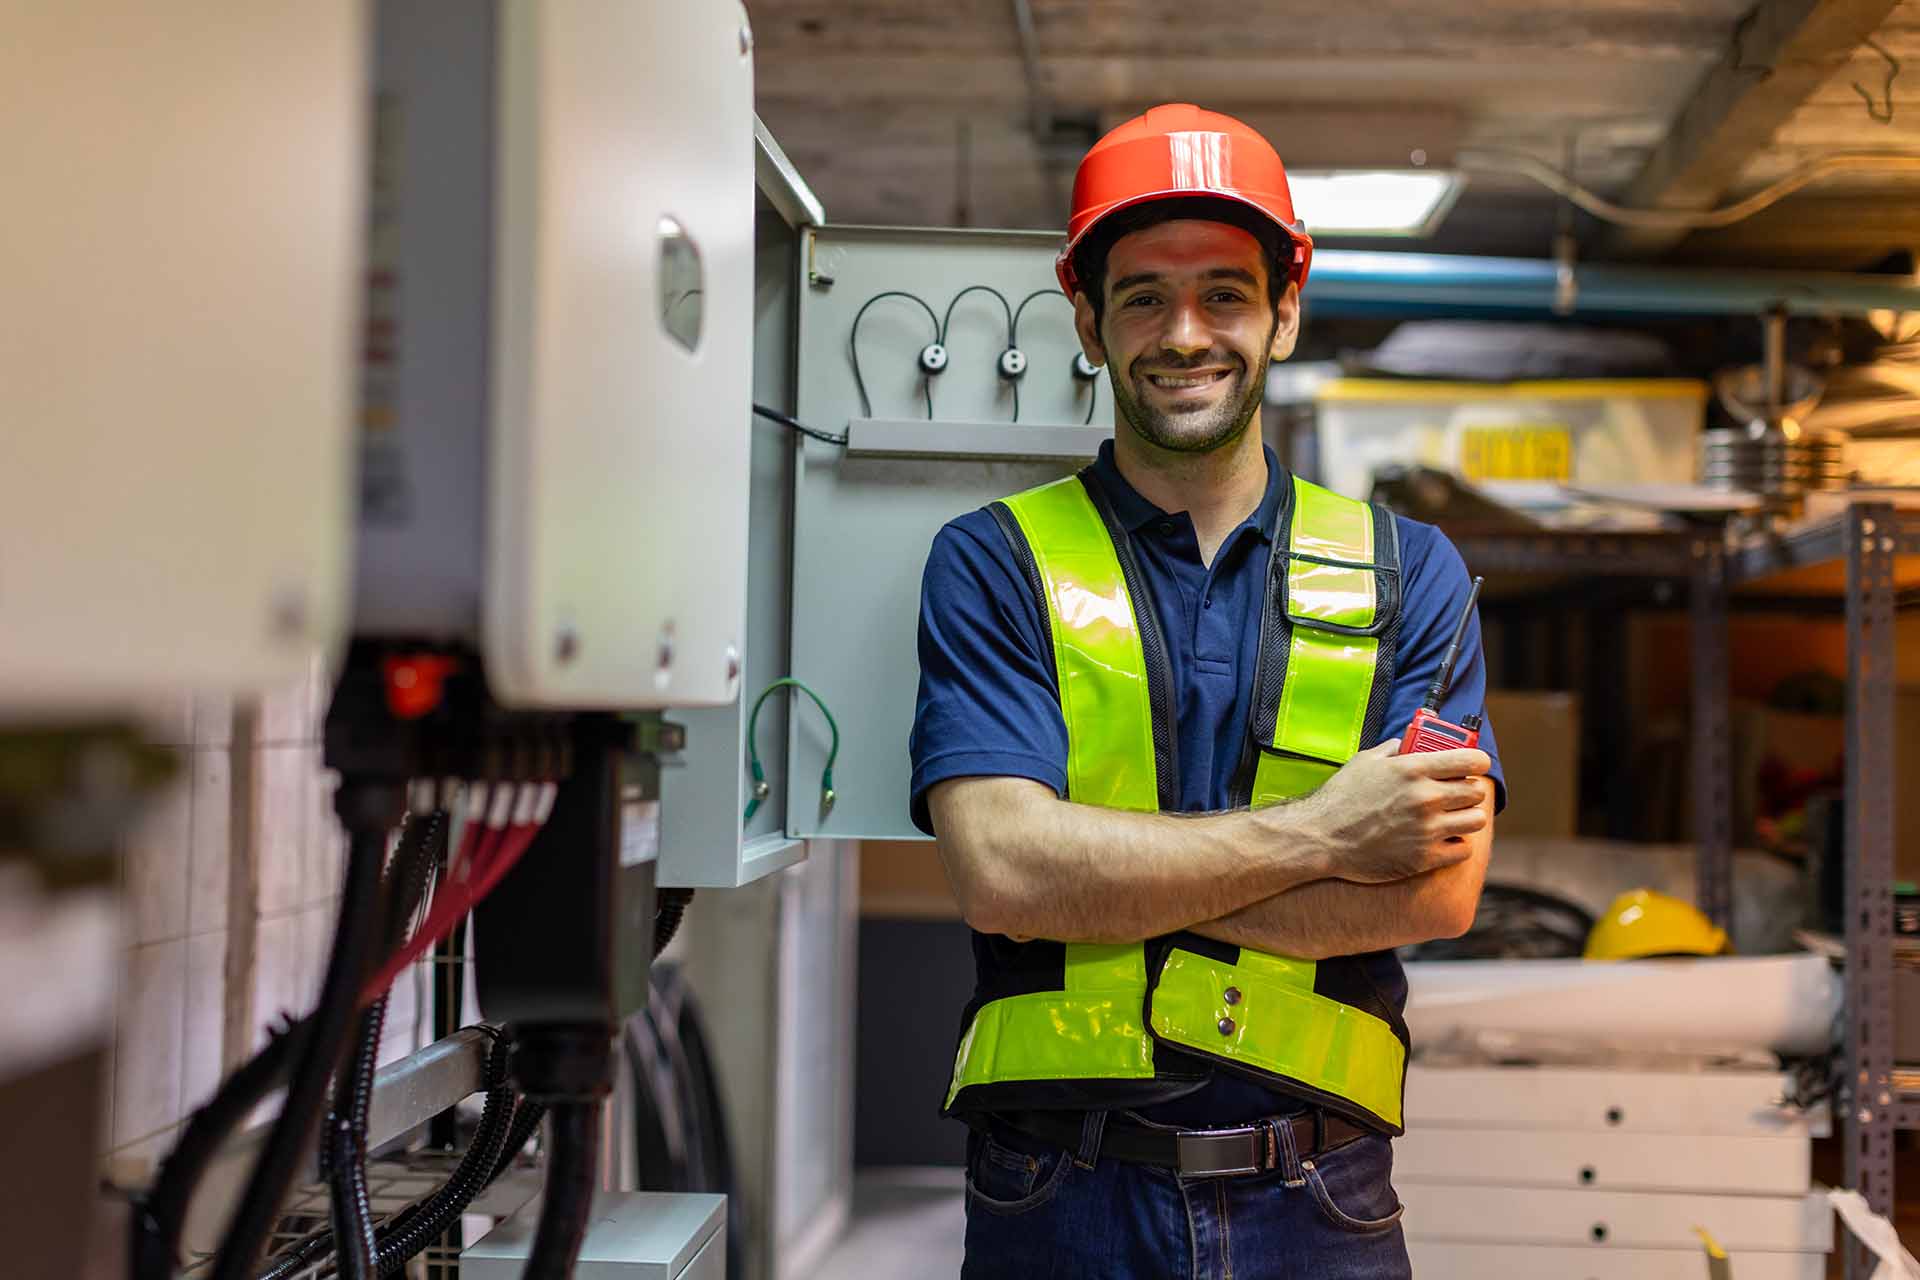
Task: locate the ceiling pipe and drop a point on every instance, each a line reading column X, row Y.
column 1352, row 281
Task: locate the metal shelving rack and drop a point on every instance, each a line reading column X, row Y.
column 1863, row 544
column 1700, row 560
column 1852, row 557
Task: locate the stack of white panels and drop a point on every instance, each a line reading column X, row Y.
column 1605, row 1174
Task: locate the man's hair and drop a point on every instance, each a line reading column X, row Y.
column 1090, row 258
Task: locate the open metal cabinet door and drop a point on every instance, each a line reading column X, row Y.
column 705, row 789
column 865, row 514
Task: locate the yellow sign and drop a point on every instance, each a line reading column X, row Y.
column 1532, row 452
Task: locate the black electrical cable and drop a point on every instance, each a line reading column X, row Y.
column 417, row 1226
column 160, row 1220
column 676, row 1075
column 1012, row 329
column 1021, row 309
column 568, row 1207
column 350, row 1199
column 669, row 909
column 477, row 1169
column 355, row 942
column 853, row 346
column 1093, row 388
column 660, row 1140
column 812, row 433
column 526, row 1118
column 1006, row 310
column 706, row 1111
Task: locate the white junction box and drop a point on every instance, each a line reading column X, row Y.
column 180, row 249
column 635, row 1235
column 1518, row 434
column 555, row 462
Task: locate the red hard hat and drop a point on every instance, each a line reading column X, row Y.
column 1174, row 152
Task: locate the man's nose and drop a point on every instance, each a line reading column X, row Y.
column 1186, row 332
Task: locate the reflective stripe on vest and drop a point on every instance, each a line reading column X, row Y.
column 1095, row 1027
column 1278, row 1025
column 1323, row 702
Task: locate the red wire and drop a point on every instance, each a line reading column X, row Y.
column 485, row 857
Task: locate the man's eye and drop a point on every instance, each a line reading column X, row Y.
column 1227, row 295
column 1140, row 299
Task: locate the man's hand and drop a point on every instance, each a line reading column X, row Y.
column 1388, row 817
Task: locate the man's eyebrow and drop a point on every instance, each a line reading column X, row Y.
column 1139, row 277
column 1240, row 274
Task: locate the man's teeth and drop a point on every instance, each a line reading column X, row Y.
column 1160, row 381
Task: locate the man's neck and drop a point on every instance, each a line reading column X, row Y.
column 1217, row 489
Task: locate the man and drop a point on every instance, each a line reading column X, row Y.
column 1159, row 759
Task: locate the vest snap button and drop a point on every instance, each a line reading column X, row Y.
column 1226, row 1026
column 1232, row 995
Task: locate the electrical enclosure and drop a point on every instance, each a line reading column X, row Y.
column 555, row 465
column 179, row 253
column 864, row 518
column 704, row 840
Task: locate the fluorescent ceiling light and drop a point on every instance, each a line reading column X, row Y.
column 1381, row 202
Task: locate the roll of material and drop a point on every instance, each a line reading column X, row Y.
column 1781, row 1004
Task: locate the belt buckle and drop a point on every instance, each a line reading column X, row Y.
column 1219, row 1153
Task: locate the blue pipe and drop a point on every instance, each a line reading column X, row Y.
column 1356, row 281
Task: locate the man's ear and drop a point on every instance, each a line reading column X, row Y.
column 1286, row 327
column 1088, row 328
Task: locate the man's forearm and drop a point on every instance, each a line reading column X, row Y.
column 1028, row 864
column 1340, row 918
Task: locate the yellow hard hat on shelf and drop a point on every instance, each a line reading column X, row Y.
column 1643, row 923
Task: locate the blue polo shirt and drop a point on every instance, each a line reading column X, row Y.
column 989, row 706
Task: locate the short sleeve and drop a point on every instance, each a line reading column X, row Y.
column 987, row 705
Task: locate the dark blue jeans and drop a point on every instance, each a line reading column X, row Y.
column 1036, row 1212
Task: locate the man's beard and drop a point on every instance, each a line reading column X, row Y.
column 1202, row 429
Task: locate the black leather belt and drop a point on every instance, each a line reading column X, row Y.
column 1240, row 1149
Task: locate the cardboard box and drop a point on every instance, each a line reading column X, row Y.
column 1539, row 739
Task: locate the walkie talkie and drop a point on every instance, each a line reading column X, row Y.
column 1429, row 732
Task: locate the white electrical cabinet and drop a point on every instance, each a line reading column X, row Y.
column 556, row 465
column 180, row 245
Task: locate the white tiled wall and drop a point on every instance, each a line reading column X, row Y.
column 208, row 950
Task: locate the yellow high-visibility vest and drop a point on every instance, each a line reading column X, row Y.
column 1079, row 1024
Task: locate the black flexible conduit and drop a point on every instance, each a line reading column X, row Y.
column 351, row 1201
column 525, row 1121
column 356, row 941
column 571, row 1174
column 430, row 1220
column 669, row 909
column 414, row 1228
column 160, row 1221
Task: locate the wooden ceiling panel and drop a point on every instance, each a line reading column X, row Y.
column 918, row 112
